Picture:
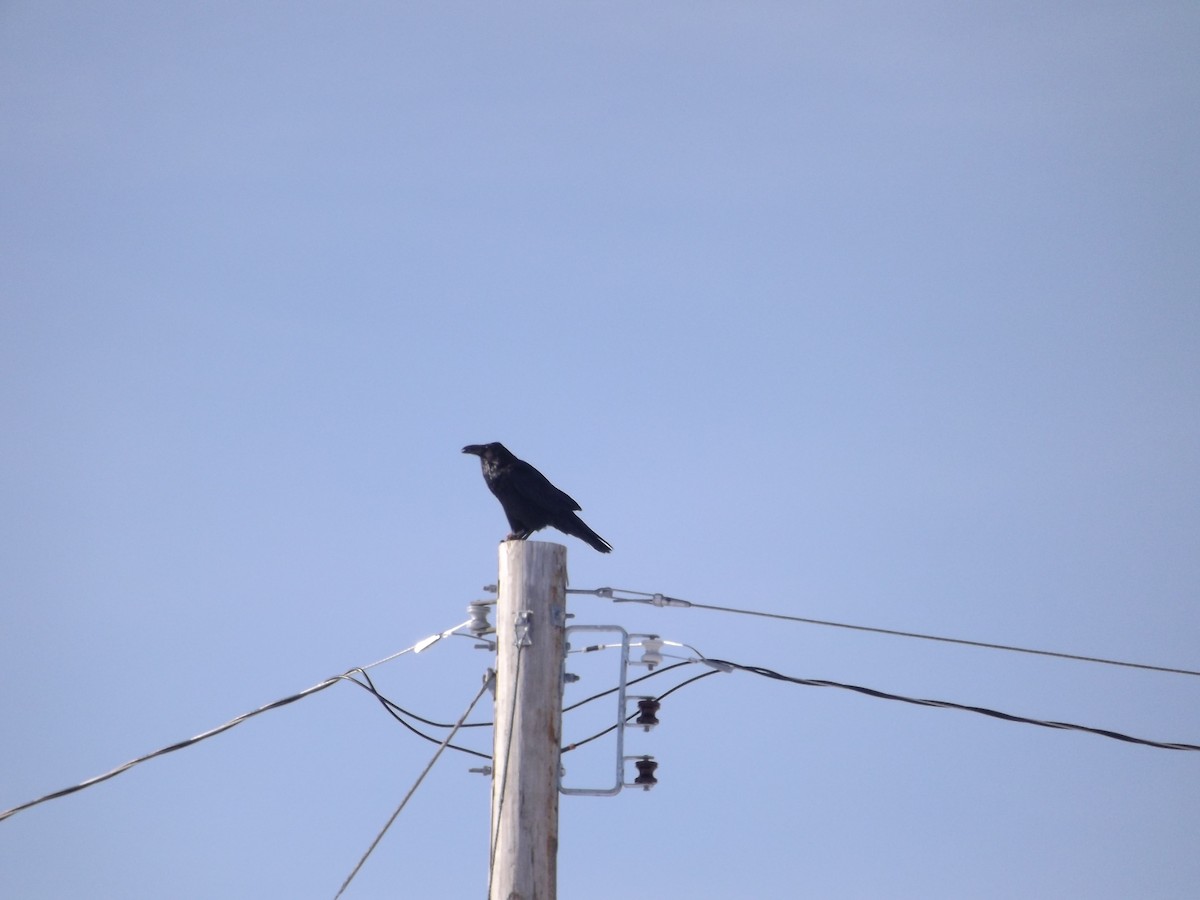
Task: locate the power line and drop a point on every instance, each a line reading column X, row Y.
column 394, row 707
column 726, row 665
column 633, row 715
column 946, row 704
column 663, row 600
column 412, row 790
column 629, row 683
column 398, row 713
column 236, row 720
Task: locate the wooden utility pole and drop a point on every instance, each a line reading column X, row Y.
column 531, row 612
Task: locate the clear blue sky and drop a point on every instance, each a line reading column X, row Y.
column 881, row 313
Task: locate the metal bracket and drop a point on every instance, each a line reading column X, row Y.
column 652, row 644
column 620, row 773
column 523, row 627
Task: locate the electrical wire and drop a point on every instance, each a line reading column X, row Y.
column 124, row 767
column 631, row 681
column 633, row 715
column 663, row 600
column 726, row 665
column 593, row 648
column 412, row 790
column 236, row 720
column 398, row 712
column 946, row 704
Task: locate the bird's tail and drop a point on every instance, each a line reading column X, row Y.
column 573, row 525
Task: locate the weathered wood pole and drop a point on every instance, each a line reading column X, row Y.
column 531, row 612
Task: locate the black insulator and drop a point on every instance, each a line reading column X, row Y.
column 646, row 769
column 646, row 710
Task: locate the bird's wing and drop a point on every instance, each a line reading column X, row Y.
column 536, row 487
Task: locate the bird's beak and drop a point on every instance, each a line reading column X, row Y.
column 474, row 449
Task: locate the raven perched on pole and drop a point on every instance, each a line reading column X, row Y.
column 530, row 501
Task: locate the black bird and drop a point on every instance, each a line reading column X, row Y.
column 530, row 501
